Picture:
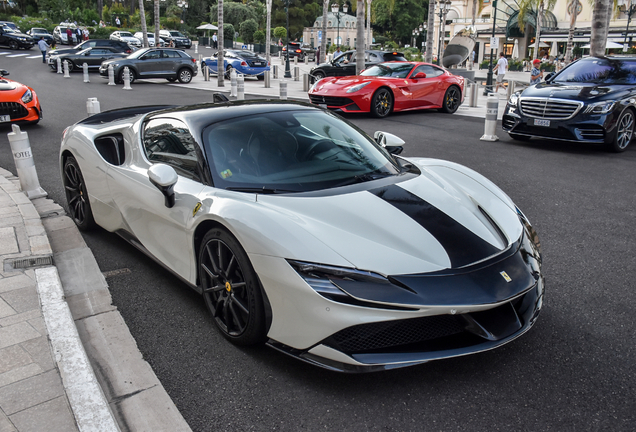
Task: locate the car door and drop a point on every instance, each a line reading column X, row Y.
column 150, row 63
column 344, row 65
column 3, row 38
column 159, row 229
column 425, row 91
column 96, row 56
column 170, row 61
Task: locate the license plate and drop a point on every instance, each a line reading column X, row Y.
column 5, row 118
column 540, row 122
column 258, row 64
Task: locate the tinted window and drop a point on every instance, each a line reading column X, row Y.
column 599, row 71
column 394, row 70
column 430, row 71
column 171, row 54
column 152, row 55
column 169, row 141
column 394, row 57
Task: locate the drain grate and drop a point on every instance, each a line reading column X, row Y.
column 31, row 262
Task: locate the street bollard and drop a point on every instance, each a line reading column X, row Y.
column 201, row 64
column 275, row 71
column 59, row 65
column 295, row 60
column 474, row 94
column 127, row 79
column 111, row 75
column 296, row 73
column 240, row 87
column 279, row 54
column 206, row 72
column 92, row 106
column 196, row 48
column 511, row 88
column 283, row 90
column 66, row 71
column 306, row 60
column 490, row 128
column 266, row 79
column 306, row 82
column 282, row 61
column 233, row 89
column 85, row 68
column 24, row 164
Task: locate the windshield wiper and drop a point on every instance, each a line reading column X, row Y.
column 261, row 190
column 364, row 178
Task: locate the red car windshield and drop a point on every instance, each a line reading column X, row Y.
column 389, row 70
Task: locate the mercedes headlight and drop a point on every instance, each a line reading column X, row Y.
column 27, row 96
column 355, row 88
column 514, row 99
column 600, row 107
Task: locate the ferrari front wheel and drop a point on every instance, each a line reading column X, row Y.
column 382, row 103
column 452, row 99
column 231, row 288
column 79, row 205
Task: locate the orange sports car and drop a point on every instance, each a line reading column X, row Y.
column 18, row 102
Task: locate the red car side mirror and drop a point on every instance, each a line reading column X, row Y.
column 419, row 75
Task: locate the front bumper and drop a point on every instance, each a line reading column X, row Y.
column 361, row 103
column 20, row 112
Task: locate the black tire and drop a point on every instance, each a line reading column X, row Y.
column 70, row 65
column 231, row 288
column 228, row 71
column 301, row 58
column 382, row 103
column 171, row 79
column 13, row 45
column 79, row 206
column 517, row 137
column 452, row 99
column 318, row 75
column 121, row 76
column 260, row 77
column 184, row 75
column 624, row 132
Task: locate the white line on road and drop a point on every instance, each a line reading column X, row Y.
column 5, row 53
column 37, row 56
column 18, row 55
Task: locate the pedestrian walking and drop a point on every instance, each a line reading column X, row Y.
column 86, row 33
column 502, row 66
column 536, row 74
column 69, row 35
column 117, row 22
column 215, row 43
column 43, row 47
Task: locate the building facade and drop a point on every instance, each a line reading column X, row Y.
column 341, row 33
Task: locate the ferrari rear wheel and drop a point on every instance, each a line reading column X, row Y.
column 452, row 99
column 231, row 288
column 624, row 132
column 76, row 196
column 382, row 103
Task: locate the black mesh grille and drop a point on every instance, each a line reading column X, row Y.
column 13, row 109
column 376, row 336
column 330, row 100
column 507, row 122
column 549, row 108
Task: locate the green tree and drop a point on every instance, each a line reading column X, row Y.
column 536, row 8
column 280, row 33
column 259, row 36
column 247, row 29
column 237, row 13
column 228, row 32
column 398, row 17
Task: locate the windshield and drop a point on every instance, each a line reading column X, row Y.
column 292, row 151
column 176, row 34
column 393, row 70
column 599, row 71
column 138, row 53
column 39, row 31
column 125, row 34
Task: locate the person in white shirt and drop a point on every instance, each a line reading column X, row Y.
column 43, row 47
column 502, row 66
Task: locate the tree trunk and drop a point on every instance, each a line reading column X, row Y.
column 144, row 27
column 323, row 41
column 538, row 30
column 474, row 20
column 442, row 32
column 220, row 64
column 100, row 8
column 157, row 25
column 368, row 38
column 132, row 9
column 598, row 38
column 430, row 27
column 360, row 37
column 568, row 51
column 268, row 32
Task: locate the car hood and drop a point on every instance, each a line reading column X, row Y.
column 7, row 85
column 447, row 217
column 331, row 84
column 582, row 92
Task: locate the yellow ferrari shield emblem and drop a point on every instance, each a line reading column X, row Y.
column 505, row 276
column 196, row 209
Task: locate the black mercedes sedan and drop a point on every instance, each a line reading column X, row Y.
column 592, row 100
column 345, row 64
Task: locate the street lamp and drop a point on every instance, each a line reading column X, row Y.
column 489, row 75
column 629, row 10
column 287, row 71
column 335, row 9
column 444, row 7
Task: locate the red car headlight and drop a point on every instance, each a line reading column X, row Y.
column 27, row 96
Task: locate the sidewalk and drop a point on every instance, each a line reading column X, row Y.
column 57, row 326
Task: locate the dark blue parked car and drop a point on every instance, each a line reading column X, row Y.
column 243, row 61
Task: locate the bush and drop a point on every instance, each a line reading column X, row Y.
column 280, row 33
column 247, row 29
column 228, row 31
column 259, row 36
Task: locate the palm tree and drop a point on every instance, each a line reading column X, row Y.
column 368, row 34
column 600, row 19
column 478, row 6
column 572, row 9
column 144, row 27
column 536, row 7
column 268, row 31
column 323, row 41
column 220, row 64
column 429, row 31
column 360, row 37
column 156, row 21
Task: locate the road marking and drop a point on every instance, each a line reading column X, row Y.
column 18, row 55
column 5, row 53
column 38, row 56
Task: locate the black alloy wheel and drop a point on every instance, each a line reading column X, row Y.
column 452, row 99
column 184, row 75
column 231, row 288
column 76, row 196
column 382, row 103
column 318, row 75
column 624, row 132
column 13, row 45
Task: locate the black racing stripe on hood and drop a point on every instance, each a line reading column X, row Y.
column 462, row 245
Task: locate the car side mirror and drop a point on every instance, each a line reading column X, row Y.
column 549, row 76
column 392, row 143
column 164, row 177
column 4, row 72
column 419, row 75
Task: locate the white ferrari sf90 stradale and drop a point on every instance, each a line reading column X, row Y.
column 302, row 232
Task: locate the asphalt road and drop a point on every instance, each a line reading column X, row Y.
column 573, row 371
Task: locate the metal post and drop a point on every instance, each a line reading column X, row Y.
column 201, row 63
column 24, row 164
column 59, row 65
column 283, row 90
column 306, row 82
column 233, row 89
column 474, row 93
column 511, row 88
column 275, row 71
column 296, row 73
column 267, row 80
column 489, row 75
column 92, row 106
column 295, row 60
column 127, row 79
column 196, row 48
column 66, row 71
column 240, row 87
column 287, row 73
column 490, row 127
column 306, row 60
column 85, row 67
column 206, row 72
column 111, row 75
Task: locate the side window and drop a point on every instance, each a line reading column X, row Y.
column 169, row 141
column 374, row 58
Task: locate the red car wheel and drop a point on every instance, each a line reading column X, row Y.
column 382, row 103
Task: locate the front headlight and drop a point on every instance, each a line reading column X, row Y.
column 514, row 99
column 600, row 107
column 314, row 85
column 355, row 88
column 27, row 96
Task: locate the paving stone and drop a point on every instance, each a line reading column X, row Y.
column 5, row 423
column 28, row 211
column 56, row 223
column 79, row 271
column 64, row 239
column 10, row 221
column 8, row 210
column 40, row 245
column 13, row 357
column 24, row 316
column 5, row 309
column 91, row 303
column 16, row 282
column 8, row 240
column 38, row 324
column 30, row 392
column 34, row 227
column 40, row 351
column 19, row 374
column 20, row 198
column 22, row 300
column 52, row 416
column 17, row 333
